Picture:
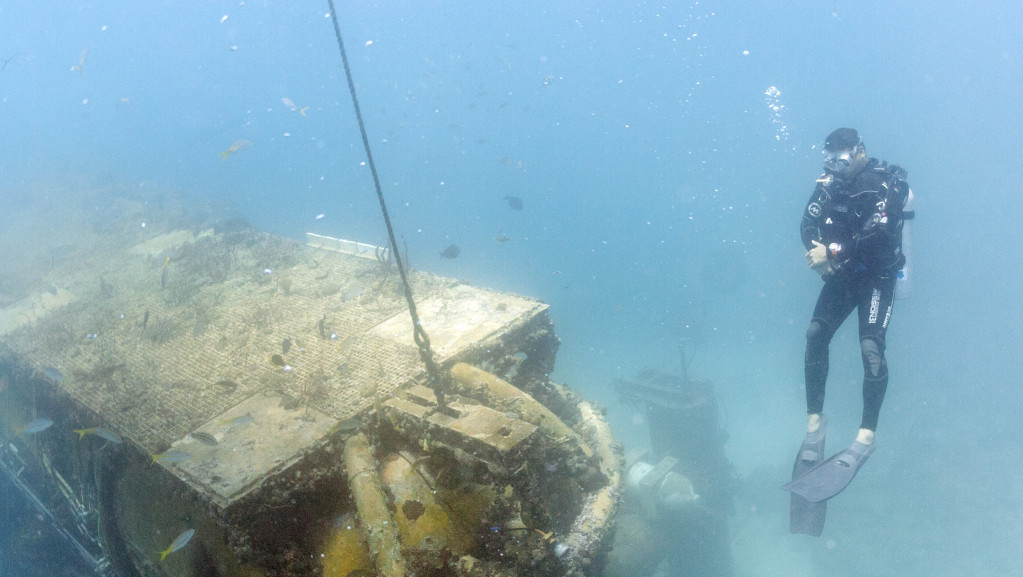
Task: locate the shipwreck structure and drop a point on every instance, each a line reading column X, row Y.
column 183, row 400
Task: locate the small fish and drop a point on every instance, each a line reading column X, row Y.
column 353, row 293
column 99, row 432
column 171, row 456
column 501, row 238
column 53, row 374
column 238, row 145
column 514, row 202
column 277, row 360
column 145, row 320
column 81, row 61
column 178, row 543
column 37, row 426
column 241, row 421
column 287, row 102
column 451, row 252
column 286, row 346
column 6, row 62
column 204, row 438
column 227, row 386
column 346, row 425
column 163, row 276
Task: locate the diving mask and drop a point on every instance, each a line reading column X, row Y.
column 841, row 162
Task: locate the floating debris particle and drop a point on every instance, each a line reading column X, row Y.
column 99, row 432
column 451, row 252
column 514, row 202
column 178, row 543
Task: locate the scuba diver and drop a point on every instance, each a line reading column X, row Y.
column 852, row 229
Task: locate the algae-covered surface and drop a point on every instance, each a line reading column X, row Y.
column 165, row 327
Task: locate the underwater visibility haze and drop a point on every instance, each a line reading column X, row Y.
column 639, row 166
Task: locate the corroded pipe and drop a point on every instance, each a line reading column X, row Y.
column 529, row 409
column 379, row 527
column 592, row 527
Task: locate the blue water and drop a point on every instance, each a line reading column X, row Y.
column 663, row 153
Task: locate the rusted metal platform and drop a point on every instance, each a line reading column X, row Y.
column 212, row 381
column 263, row 343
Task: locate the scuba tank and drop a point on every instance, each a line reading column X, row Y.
column 902, row 282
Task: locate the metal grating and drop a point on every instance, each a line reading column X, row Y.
column 157, row 359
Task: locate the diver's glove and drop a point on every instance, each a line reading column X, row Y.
column 817, row 258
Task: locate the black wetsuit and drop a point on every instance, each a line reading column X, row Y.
column 860, row 220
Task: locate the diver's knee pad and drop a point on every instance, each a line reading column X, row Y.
column 818, row 330
column 874, row 363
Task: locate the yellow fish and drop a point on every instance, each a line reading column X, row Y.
column 287, row 102
column 99, row 432
column 238, row 145
column 170, row 456
column 178, row 543
column 238, row 421
column 163, row 275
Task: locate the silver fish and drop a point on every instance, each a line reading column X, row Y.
column 178, row 543
column 99, row 432
column 37, row 426
column 204, row 438
column 171, row 456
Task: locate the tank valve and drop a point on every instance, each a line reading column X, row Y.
column 659, row 487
